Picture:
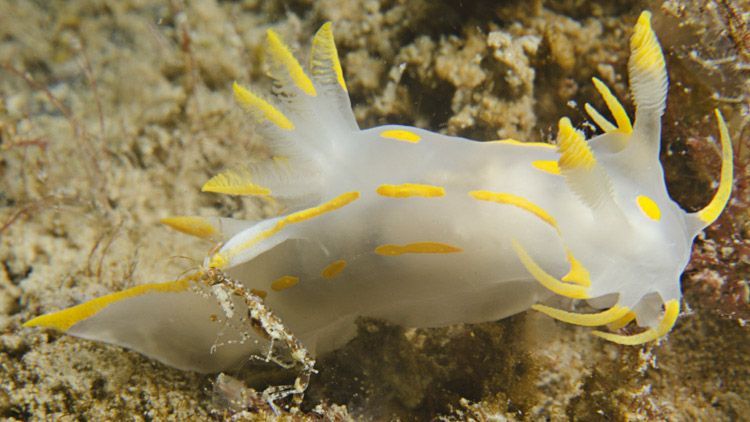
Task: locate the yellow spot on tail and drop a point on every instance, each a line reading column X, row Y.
column 255, row 104
column 63, row 320
column 671, row 311
column 587, row 320
column 406, row 190
column 282, row 55
column 574, row 151
column 324, row 52
column 333, row 269
column 547, row 166
column 578, row 273
column 615, row 107
column 648, row 207
column 260, row 293
column 284, row 282
column 233, row 182
column 194, row 226
column 418, row 247
column 546, row 280
column 517, row 201
column 401, row 135
column 221, row 259
column 646, row 54
column 521, row 144
column 711, row 212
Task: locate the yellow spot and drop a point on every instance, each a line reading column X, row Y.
column 400, row 135
column 587, row 320
column 221, row 259
column 324, row 53
column 648, row 207
column 547, row 166
column 671, row 311
column 194, row 226
column 419, row 247
column 260, row 293
column 333, row 269
column 282, row 55
column 646, row 54
column 253, row 103
column 233, row 182
column 218, row 261
column 600, row 120
column 406, row 190
column 522, row 144
column 284, row 282
column 578, row 274
column 546, row 280
column 711, row 212
column 616, row 325
column 615, row 107
column 517, row 201
column 63, row 320
column 573, row 149
column 333, row 204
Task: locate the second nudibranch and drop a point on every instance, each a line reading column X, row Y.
column 423, row 229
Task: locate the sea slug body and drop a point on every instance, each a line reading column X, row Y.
column 422, row 229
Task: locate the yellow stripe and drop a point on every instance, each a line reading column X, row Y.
column 648, row 207
column 573, row 149
column 517, row 201
column 406, row 190
column 418, row 247
column 324, row 49
column 221, row 259
column 546, row 280
column 587, row 320
column 401, row 135
column 711, row 212
column 547, row 166
column 281, row 54
column 63, row 320
column 253, row 103
column 615, row 107
column 522, row 144
column 671, row 311
column 333, row 269
column 232, row 182
column 194, row 226
column 284, row 282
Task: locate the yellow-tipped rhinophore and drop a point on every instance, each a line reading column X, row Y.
column 574, row 151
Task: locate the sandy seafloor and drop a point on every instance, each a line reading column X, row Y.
column 113, row 114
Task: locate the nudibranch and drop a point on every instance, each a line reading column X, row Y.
column 422, row 229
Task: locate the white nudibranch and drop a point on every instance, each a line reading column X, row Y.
column 418, row 228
